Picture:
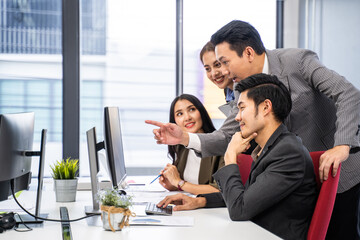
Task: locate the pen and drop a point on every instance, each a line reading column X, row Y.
column 155, row 178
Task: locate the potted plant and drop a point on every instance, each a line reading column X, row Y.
column 115, row 212
column 65, row 173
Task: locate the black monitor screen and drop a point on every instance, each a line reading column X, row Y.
column 114, row 145
column 16, row 136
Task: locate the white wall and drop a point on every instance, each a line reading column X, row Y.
column 331, row 28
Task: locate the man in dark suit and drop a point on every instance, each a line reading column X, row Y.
column 325, row 114
column 280, row 193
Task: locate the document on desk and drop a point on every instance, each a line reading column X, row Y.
column 180, row 221
column 145, row 188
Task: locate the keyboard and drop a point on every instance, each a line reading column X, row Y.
column 66, row 230
column 152, row 209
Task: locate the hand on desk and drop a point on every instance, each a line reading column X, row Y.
column 169, row 133
column 183, row 202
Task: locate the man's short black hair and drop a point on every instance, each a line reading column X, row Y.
column 239, row 35
column 263, row 86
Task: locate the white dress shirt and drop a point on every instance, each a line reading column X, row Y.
column 192, row 168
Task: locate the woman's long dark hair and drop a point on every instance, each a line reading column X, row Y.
column 207, row 124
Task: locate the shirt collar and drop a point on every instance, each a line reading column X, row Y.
column 266, row 65
column 229, row 95
column 256, row 153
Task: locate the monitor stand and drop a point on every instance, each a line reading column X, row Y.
column 90, row 210
column 93, row 148
column 27, row 219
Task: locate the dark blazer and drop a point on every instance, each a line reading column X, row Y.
column 208, row 166
column 280, row 193
column 325, row 112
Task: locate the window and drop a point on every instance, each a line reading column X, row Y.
column 30, row 68
column 31, row 64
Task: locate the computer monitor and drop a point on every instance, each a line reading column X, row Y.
column 114, row 146
column 16, row 142
column 16, row 136
column 114, row 155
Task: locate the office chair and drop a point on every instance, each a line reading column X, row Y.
column 244, row 162
column 325, row 202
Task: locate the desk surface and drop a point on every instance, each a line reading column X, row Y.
column 208, row 224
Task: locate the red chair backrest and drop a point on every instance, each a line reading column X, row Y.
column 325, row 202
column 244, row 162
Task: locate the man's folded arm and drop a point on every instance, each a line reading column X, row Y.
column 213, row 200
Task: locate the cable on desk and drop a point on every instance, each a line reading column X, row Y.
column 22, row 222
column 45, row 219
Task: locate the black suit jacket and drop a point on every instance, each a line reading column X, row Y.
column 280, row 193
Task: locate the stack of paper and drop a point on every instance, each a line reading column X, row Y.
column 153, row 220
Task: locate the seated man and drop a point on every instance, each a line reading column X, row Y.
column 280, row 193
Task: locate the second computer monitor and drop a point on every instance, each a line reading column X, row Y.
column 114, row 146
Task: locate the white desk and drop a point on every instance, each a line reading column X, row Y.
column 208, row 224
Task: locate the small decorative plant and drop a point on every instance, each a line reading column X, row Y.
column 65, row 174
column 115, row 209
column 65, row 169
column 115, row 198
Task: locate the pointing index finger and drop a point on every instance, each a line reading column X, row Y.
column 155, row 123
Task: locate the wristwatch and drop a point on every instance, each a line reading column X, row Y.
column 180, row 184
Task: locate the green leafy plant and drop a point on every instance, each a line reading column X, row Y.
column 113, row 197
column 65, row 169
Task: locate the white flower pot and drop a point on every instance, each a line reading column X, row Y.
column 65, row 189
column 115, row 220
